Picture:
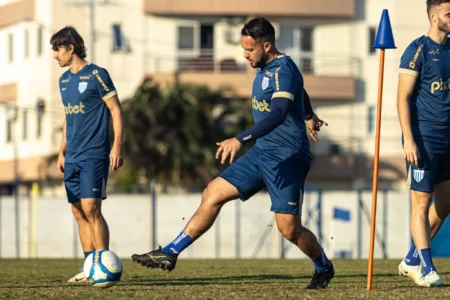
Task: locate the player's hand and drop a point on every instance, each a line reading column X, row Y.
column 115, row 158
column 60, row 163
column 313, row 125
column 228, row 148
column 411, row 153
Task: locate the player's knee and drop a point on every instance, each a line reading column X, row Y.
column 420, row 207
column 290, row 231
column 420, row 202
column 211, row 197
column 78, row 213
column 92, row 212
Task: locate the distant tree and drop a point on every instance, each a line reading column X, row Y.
column 171, row 133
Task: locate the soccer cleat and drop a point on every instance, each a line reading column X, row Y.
column 413, row 272
column 320, row 279
column 156, row 259
column 433, row 280
column 79, row 278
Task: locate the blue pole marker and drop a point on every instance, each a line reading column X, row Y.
column 384, row 38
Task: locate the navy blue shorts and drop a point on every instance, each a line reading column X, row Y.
column 86, row 179
column 434, row 164
column 284, row 179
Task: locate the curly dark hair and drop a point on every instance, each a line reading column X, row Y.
column 259, row 28
column 69, row 36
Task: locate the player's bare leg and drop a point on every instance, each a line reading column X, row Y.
column 292, row 229
column 440, row 208
column 85, row 234
column 216, row 194
column 420, row 226
column 100, row 231
column 421, row 233
column 438, row 211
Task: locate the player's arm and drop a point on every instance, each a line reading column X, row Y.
column 313, row 122
column 279, row 108
column 62, row 150
column 285, row 86
column 410, row 68
column 307, row 106
column 107, row 92
column 117, row 116
column 406, row 85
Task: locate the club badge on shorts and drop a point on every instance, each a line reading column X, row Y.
column 418, row 175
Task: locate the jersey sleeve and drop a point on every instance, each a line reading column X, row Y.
column 104, row 84
column 284, row 84
column 59, row 85
column 412, row 60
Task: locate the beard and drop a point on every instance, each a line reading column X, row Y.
column 443, row 26
column 261, row 63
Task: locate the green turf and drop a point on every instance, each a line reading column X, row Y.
column 216, row 279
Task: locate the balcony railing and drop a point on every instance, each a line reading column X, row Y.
column 217, row 61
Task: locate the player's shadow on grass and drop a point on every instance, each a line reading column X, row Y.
column 55, row 285
column 248, row 279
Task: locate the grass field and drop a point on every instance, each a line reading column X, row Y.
column 216, row 279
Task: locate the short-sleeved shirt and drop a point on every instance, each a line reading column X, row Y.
column 87, row 116
column 281, row 78
column 430, row 100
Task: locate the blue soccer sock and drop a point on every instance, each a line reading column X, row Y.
column 412, row 258
column 182, row 241
column 321, row 263
column 427, row 262
column 86, row 254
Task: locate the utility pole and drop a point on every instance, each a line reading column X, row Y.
column 12, row 117
column 91, row 29
column 90, row 4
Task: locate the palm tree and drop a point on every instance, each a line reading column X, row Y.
column 171, row 134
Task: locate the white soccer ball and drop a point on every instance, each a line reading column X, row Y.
column 103, row 268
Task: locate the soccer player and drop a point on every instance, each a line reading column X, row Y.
column 279, row 161
column 85, row 155
column 423, row 104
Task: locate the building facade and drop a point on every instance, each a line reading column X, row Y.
column 198, row 41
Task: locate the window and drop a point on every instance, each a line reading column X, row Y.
column 372, row 117
column 306, row 45
column 306, row 39
column 24, row 125
column 26, row 37
column 207, row 36
column 39, row 40
column 10, row 47
column 119, row 42
column 297, row 42
column 39, row 125
column 372, row 34
column 40, row 107
column 186, row 38
column 9, row 130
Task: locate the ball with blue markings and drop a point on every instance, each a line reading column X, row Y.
column 103, row 268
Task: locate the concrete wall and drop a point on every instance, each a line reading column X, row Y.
column 253, row 234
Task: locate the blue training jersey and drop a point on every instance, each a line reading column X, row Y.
column 281, row 78
column 87, row 116
column 430, row 101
